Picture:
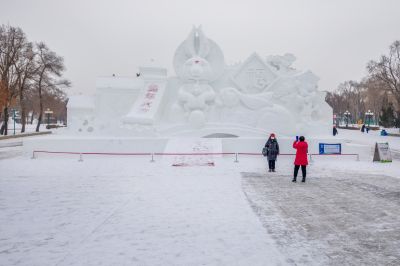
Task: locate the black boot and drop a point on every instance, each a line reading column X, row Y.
column 303, row 180
column 294, row 180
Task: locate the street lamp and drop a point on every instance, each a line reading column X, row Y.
column 347, row 115
column 368, row 116
column 48, row 112
column 13, row 116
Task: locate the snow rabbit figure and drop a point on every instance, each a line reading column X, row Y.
column 195, row 96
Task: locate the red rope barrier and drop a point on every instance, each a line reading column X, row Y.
column 200, row 153
column 179, row 154
column 342, row 154
column 94, row 153
column 166, row 153
column 254, row 153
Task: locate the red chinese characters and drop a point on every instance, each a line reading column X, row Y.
column 149, row 96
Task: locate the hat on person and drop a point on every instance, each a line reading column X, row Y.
column 272, row 135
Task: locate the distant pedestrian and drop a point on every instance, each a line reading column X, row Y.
column 272, row 152
column 335, row 131
column 384, row 132
column 367, row 129
column 363, row 128
column 301, row 160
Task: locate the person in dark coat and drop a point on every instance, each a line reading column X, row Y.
column 301, row 160
column 272, row 151
column 363, row 128
column 335, row 131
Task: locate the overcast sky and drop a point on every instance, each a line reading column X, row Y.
column 333, row 38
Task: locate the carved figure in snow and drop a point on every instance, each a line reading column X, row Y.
column 196, row 95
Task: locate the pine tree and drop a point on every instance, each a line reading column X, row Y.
column 397, row 120
column 387, row 117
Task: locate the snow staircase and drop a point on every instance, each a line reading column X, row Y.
column 193, row 152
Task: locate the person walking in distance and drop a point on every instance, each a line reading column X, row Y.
column 301, row 160
column 272, row 151
column 335, row 131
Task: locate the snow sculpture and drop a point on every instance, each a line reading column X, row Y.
column 208, row 98
column 197, row 62
column 81, row 114
column 146, row 108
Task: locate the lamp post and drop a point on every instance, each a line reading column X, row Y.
column 13, row 113
column 48, row 112
column 347, row 115
column 368, row 116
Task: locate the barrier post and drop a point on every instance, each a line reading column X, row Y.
column 80, row 157
column 236, row 157
column 152, row 158
column 358, row 157
column 33, row 155
column 311, row 159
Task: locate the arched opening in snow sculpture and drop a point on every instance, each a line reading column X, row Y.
column 221, row 135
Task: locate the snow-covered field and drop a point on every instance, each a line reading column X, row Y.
column 55, row 210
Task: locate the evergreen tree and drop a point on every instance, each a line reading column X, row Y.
column 387, row 117
column 397, row 120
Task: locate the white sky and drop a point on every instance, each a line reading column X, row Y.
column 333, row 38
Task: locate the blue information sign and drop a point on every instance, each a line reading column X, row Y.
column 329, row 148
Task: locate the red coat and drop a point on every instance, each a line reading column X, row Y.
column 301, row 152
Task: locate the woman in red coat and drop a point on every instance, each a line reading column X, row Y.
column 301, row 157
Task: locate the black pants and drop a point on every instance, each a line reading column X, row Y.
column 271, row 164
column 303, row 171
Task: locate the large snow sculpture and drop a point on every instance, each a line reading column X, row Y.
column 209, row 98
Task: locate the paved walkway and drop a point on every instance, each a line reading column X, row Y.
column 336, row 220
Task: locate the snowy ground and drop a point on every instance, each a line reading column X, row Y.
column 369, row 138
column 29, row 128
column 118, row 212
column 55, row 210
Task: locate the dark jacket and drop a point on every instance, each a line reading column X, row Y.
column 272, row 149
column 335, row 131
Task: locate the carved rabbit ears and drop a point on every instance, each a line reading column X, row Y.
column 197, row 43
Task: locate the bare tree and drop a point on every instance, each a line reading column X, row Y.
column 376, row 95
column 12, row 41
column 25, row 69
column 387, row 69
column 50, row 68
column 55, row 99
column 353, row 98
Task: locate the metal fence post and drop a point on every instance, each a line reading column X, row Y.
column 358, row 157
column 80, row 157
column 152, row 158
column 236, row 157
column 33, row 155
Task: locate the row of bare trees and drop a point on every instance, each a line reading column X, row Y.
column 378, row 92
column 30, row 78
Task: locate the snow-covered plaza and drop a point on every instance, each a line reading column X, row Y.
column 121, row 210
